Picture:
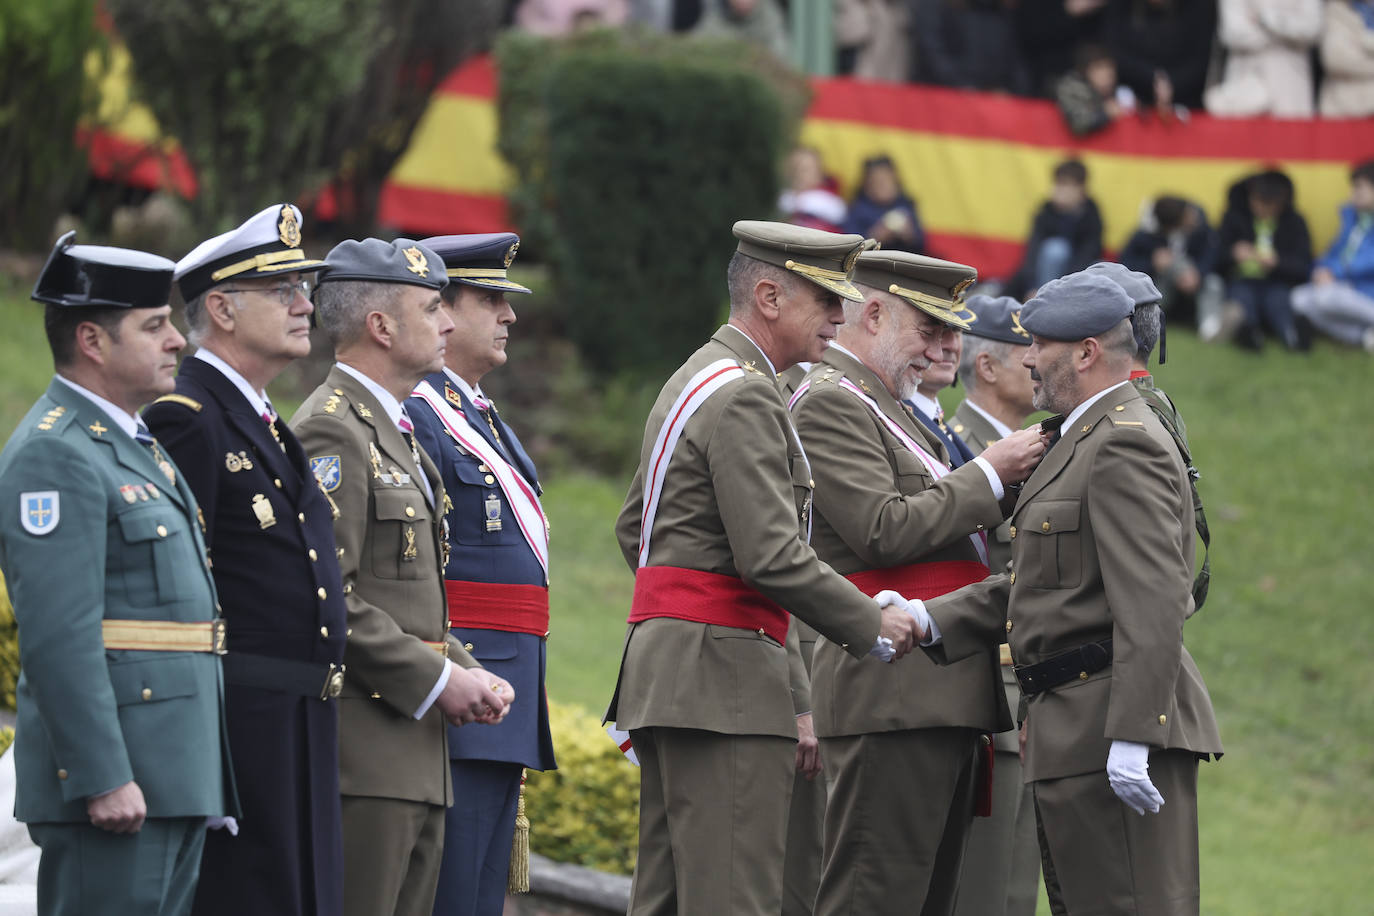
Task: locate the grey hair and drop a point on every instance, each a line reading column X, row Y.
column 974, row 346
column 197, row 320
column 342, row 305
column 743, row 275
column 1145, row 324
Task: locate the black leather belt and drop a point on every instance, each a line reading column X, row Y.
column 1075, row 664
column 307, row 679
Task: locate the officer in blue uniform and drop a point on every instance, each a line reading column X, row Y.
column 120, row 752
column 270, row 529
column 497, row 571
column 925, row 405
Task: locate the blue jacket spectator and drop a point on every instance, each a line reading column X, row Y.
column 1340, row 299
column 882, row 210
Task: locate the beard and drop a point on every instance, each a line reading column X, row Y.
column 1054, row 395
column 894, row 365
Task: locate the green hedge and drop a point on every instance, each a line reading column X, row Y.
column 587, row 811
column 633, row 156
column 9, row 648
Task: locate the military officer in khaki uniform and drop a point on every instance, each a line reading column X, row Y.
column 1117, row 713
column 379, row 303
column 1002, row 863
column 902, row 743
column 714, row 526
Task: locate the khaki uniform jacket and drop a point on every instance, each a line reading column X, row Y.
column 735, row 488
column 1099, row 549
column 390, row 543
column 877, row 506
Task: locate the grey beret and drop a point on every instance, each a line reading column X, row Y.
column 1137, row 285
column 401, row 261
column 997, row 319
column 1077, row 306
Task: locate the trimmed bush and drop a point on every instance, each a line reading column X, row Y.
column 634, row 155
column 9, row 648
column 587, row 811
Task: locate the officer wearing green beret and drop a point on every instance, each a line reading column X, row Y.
column 119, row 752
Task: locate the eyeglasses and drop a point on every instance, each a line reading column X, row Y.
column 285, row 292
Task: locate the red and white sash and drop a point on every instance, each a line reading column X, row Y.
column 529, row 514
column 936, row 467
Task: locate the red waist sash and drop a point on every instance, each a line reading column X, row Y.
column 705, row 597
column 920, row 580
column 497, row 606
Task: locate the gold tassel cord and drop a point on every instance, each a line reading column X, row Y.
column 518, row 878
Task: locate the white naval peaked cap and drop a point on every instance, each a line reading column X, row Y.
column 264, row 245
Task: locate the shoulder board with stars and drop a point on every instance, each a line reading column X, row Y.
column 51, row 419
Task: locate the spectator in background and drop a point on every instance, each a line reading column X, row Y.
column 968, row 44
column 1066, row 234
column 1268, row 58
column 1177, row 248
column 758, row 21
column 812, row 197
column 1089, row 96
column 882, row 210
column 1340, row 299
column 871, row 39
column 1265, row 251
column 1162, row 49
column 1050, row 32
column 1347, row 55
column 561, row 17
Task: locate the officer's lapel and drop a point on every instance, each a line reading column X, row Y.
column 249, row 424
column 1057, row 458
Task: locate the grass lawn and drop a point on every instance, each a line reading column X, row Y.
column 1286, row 448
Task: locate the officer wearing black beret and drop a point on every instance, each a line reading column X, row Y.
column 119, row 751
column 270, row 530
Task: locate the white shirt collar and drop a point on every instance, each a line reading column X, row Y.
column 256, row 399
column 1083, row 408
column 1002, row 429
column 928, row 406
column 771, row 367
column 390, row 406
column 472, row 393
column 125, row 420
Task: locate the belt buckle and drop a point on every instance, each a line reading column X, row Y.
column 333, row 682
column 219, row 635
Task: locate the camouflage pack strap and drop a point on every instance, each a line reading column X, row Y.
column 1168, row 416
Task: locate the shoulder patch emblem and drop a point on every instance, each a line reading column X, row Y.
column 181, row 399
column 328, row 470
column 40, row 511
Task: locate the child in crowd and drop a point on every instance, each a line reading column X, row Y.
column 1066, row 234
column 1177, row 248
column 811, row 197
column 1340, row 299
column 882, row 210
column 1265, row 252
column 1090, row 96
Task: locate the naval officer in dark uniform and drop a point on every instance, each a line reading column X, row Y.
column 120, row 751
column 497, row 571
column 270, row 530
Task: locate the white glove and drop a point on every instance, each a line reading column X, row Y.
column 1128, row 771
column 882, row 649
column 916, row 609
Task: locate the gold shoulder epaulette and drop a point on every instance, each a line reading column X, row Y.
column 181, row 399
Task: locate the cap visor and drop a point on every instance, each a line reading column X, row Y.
column 843, row 288
column 944, row 316
column 509, row 286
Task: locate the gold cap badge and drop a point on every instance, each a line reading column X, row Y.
column 418, row 263
column 510, row 253
column 288, row 229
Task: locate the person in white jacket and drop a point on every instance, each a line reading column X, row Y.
column 1268, row 62
column 1347, row 51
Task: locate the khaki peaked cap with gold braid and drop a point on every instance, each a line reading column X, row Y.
column 825, row 258
column 934, row 286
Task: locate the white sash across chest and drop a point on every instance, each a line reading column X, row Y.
column 933, row 465
column 524, row 502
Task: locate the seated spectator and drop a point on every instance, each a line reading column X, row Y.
column 1162, row 49
column 1340, row 299
column 1265, row 251
column 871, row 40
column 1347, row 54
column 1268, row 58
column 758, row 21
column 882, row 210
column 1090, row 97
column 1050, row 32
column 1177, row 248
column 811, row 197
column 562, row 17
column 968, row 44
column 1065, row 236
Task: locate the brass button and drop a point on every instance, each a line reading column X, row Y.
column 1163, row 719
column 1012, row 580
column 468, row 646
column 339, row 552
column 348, row 589
column 1086, row 428
column 1013, row 531
column 300, row 517
column 1120, row 407
column 312, row 554
column 162, row 531
column 1045, row 525
column 322, row 593
column 1082, row 675
column 147, row 693
column 61, row 774
column 410, row 512
column 811, row 482
column 761, row 633
column 489, row 479
column 1008, row 626
column 324, row 632
column 980, row 527
column 338, row 391
column 277, row 481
